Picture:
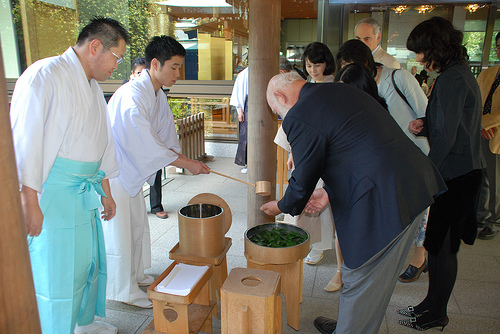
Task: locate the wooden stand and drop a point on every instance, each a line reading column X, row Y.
column 218, row 264
column 285, row 260
column 251, row 302
column 181, row 314
column 291, row 286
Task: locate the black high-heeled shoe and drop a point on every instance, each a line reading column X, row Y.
column 412, row 273
column 412, row 323
column 410, row 312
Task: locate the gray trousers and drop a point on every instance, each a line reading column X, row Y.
column 489, row 195
column 368, row 288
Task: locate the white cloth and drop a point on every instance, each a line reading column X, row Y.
column 128, row 243
column 144, row 130
column 398, row 108
column 56, row 111
column 381, row 56
column 240, row 90
column 327, row 78
column 318, row 225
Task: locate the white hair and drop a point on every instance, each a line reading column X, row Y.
column 373, row 23
column 280, row 82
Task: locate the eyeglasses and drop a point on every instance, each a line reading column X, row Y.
column 118, row 58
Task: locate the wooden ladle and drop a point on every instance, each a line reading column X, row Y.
column 262, row 188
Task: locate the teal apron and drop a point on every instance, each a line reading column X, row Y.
column 68, row 258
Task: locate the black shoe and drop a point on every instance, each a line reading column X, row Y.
column 410, row 312
column 412, row 323
column 481, row 224
column 325, row 325
column 412, row 273
column 487, row 233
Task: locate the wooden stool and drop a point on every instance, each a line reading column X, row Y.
column 291, row 286
column 285, row 260
column 175, row 314
column 251, row 302
column 218, row 264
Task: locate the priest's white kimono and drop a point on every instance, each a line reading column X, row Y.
column 64, row 147
column 146, row 140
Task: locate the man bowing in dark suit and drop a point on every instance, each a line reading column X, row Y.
column 379, row 184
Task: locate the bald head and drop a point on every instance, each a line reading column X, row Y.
column 283, row 92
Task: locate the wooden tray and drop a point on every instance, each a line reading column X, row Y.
column 168, row 298
column 175, row 255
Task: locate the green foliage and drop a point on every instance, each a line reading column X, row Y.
column 180, row 108
column 136, row 16
column 278, row 237
column 474, row 41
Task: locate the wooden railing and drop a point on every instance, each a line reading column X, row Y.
column 191, row 132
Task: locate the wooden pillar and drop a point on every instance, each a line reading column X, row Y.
column 19, row 312
column 264, row 41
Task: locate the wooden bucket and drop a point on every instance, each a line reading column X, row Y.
column 201, row 230
column 269, row 255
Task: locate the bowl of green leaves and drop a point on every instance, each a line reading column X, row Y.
column 276, row 243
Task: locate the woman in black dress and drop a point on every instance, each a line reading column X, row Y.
column 452, row 125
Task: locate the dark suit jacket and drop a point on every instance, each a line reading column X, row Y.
column 379, row 179
column 453, row 122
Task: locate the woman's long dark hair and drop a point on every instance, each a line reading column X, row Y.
column 355, row 51
column 318, row 52
column 359, row 76
column 439, row 41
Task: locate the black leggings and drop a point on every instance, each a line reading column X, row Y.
column 442, row 277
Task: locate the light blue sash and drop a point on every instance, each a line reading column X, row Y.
column 69, row 258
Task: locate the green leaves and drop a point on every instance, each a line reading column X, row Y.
column 278, row 237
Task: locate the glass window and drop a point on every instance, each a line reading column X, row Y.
column 214, row 32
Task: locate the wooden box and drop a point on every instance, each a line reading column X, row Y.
column 218, row 264
column 251, row 302
column 175, row 314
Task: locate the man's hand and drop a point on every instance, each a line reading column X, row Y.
column 107, row 202
column 33, row 216
column 319, row 199
column 416, row 126
column 197, row 167
column 271, row 208
column 109, row 207
column 289, row 162
column 488, row 134
column 241, row 115
column 194, row 166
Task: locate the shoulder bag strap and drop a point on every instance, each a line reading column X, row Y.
column 397, row 89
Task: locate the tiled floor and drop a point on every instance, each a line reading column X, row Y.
column 474, row 306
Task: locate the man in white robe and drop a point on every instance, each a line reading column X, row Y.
column 239, row 99
column 64, row 148
column 146, row 141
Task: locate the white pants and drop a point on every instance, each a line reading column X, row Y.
column 128, row 243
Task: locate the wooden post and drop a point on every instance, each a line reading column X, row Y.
column 264, row 41
column 19, row 312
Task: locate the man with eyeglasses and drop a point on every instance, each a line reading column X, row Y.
column 489, row 200
column 65, row 155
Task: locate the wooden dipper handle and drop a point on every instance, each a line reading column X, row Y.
column 232, row 178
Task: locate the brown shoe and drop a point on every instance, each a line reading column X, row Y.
column 161, row 215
